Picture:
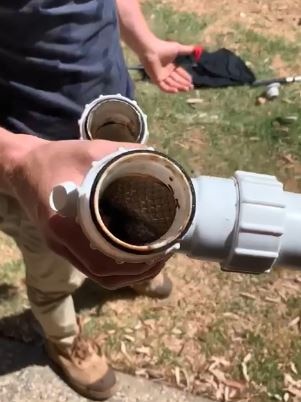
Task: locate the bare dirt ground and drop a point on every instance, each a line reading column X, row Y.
column 271, row 17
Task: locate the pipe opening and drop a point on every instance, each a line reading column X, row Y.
column 115, row 120
column 143, row 202
column 138, row 209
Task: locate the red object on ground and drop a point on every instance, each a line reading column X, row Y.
column 197, row 53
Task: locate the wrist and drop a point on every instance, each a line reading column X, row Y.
column 139, row 38
column 147, row 46
column 134, row 28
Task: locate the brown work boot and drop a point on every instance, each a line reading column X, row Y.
column 84, row 370
column 159, row 287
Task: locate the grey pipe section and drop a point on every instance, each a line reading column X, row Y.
column 248, row 224
column 211, row 232
column 290, row 250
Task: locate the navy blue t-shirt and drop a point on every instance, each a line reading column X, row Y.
column 56, row 56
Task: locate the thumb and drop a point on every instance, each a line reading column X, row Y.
column 184, row 50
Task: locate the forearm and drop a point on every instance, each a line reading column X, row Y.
column 134, row 29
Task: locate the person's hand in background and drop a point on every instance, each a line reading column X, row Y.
column 30, row 168
column 158, row 61
column 156, row 55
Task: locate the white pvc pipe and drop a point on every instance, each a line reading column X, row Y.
column 290, row 250
column 114, row 118
column 237, row 222
column 82, row 202
column 216, row 210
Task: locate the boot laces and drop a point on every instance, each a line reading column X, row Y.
column 82, row 347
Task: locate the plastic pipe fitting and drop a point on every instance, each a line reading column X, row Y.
column 114, row 118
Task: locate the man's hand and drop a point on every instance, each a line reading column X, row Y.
column 157, row 56
column 158, row 61
column 37, row 168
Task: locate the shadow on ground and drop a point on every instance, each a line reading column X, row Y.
column 91, row 295
column 7, row 291
column 23, row 329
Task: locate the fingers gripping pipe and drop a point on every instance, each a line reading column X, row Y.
column 139, row 205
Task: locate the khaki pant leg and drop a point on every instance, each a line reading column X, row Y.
column 50, row 279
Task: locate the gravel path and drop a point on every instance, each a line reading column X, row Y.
column 26, row 377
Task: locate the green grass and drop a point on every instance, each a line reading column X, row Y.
column 267, row 48
column 167, row 357
column 294, row 304
column 214, row 341
column 296, row 353
column 11, row 271
column 168, row 24
column 12, row 297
